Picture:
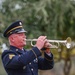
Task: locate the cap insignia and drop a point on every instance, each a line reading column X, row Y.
column 20, row 23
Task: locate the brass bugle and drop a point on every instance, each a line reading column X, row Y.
column 66, row 42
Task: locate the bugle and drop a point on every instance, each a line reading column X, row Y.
column 66, row 42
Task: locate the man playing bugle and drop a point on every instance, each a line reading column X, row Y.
column 19, row 61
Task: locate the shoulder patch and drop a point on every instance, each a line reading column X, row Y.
column 11, row 56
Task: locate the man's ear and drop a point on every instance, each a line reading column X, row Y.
column 12, row 38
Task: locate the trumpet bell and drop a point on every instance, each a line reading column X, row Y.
column 68, row 44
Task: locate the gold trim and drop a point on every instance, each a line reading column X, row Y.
column 13, row 29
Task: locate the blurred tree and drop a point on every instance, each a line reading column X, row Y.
column 48, row 17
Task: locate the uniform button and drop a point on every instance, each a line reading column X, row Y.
column 32, row 69
column 30, row 63
column 16, row 49
column 24, row 67
column 19, row 55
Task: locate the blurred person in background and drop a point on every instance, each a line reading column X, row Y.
column 19, row 61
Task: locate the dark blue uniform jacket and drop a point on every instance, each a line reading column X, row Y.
column 22, row 62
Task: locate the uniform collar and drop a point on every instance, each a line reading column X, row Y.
column 16, row 49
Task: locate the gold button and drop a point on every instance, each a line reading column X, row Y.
column 10, row 32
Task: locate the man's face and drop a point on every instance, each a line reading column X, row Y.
column 19, row 39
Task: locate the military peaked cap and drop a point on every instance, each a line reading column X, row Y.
column 15, row 27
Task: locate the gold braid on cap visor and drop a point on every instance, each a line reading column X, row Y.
column 14, row 29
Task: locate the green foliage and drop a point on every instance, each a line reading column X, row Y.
column 53, row 18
